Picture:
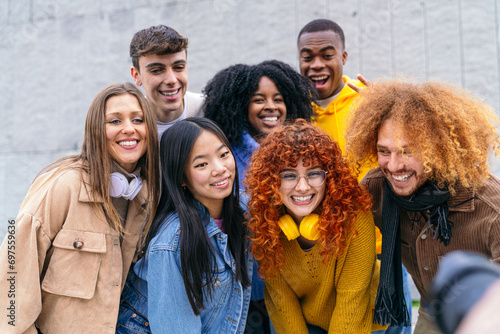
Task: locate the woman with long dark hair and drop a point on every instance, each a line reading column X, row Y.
column 79, row 227
column 196, row 271
column 248, row 102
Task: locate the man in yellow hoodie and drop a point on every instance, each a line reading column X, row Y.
column 322, row 56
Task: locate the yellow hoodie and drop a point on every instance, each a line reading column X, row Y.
column 333, row 120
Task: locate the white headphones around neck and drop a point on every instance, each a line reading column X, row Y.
column 120, row 187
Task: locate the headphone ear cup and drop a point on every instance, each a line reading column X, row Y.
column 288, row 226
column 133, row 188
column 118, row 186
column 309, row 227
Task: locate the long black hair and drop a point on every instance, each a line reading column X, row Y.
column 228, row 95
column 197, row 253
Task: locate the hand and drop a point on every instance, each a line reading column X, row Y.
column 358, row 89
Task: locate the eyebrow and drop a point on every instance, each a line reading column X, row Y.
column 404, row 147
column 154, row 64
column 134, row 112
column 261, row 94
column 199, row 156
column 308, row 168
column 329, row 47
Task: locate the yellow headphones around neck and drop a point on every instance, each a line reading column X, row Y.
column 308, row 227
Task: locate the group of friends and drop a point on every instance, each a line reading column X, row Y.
column 273, row 202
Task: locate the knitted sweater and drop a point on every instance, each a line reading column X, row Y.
column 338, row 296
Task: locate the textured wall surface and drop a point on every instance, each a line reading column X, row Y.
column 55, row 55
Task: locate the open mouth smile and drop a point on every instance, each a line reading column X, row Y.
column 170, row 94
column 128, row 143
column 402, row 178
column 220, row 183
column 302, row 199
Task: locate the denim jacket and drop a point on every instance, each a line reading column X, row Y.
column 158, row 282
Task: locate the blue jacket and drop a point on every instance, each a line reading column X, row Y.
column 243, row 154
column 157, row 281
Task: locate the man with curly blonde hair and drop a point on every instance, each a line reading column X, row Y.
column 432, row 191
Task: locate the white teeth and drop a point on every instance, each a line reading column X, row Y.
column 302, row 198
column 128, row 143
column 270, row 119
column 402, row 178
column 219, row 183
column 319, row 78
column 169, row 94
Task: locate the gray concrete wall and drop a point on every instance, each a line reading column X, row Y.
column 55, row 55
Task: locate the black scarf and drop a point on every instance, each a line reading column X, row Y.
column 390, row 306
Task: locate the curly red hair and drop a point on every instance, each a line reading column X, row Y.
column 344, row 197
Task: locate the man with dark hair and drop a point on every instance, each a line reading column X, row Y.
column 159, row 64
column 322, row 56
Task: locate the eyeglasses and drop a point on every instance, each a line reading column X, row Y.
column 313, row 178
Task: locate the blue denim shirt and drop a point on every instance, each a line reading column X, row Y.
column 242, row 155
column 157, row 282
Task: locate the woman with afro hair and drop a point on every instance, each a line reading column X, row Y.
column 248, row 102
column 313, row 234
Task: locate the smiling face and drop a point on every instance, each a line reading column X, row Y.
column 267, row 109
column 321, row 59
column 404, row 171
column 165, row 79
column 126, row 134
column 210, row 172
column 302, row 199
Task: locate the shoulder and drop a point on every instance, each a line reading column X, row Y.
column 373, row 178
column 56, row 185
column 168, row 236
column 245, row 148
column 489, row 193
column 364, row 226
column 244, row 201
column 194, row 102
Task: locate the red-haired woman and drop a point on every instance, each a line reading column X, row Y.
column 313, row 234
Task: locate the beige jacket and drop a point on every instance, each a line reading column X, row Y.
column 67, row 268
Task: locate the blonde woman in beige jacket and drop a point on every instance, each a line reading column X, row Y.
column 65, row 258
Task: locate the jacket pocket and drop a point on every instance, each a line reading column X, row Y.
column 74, row 265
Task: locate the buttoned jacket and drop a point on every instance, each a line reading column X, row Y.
column 476, row 227
column 70, row 264
column 156, row 290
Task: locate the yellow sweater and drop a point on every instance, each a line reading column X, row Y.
column 333, row 120
column 338, row 296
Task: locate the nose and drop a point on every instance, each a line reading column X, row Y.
column 128, row 127
column 396, row 162
column 219, row 169
column 317, row 63
column 270, row 105
column 302, row 184
column 169, row 78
